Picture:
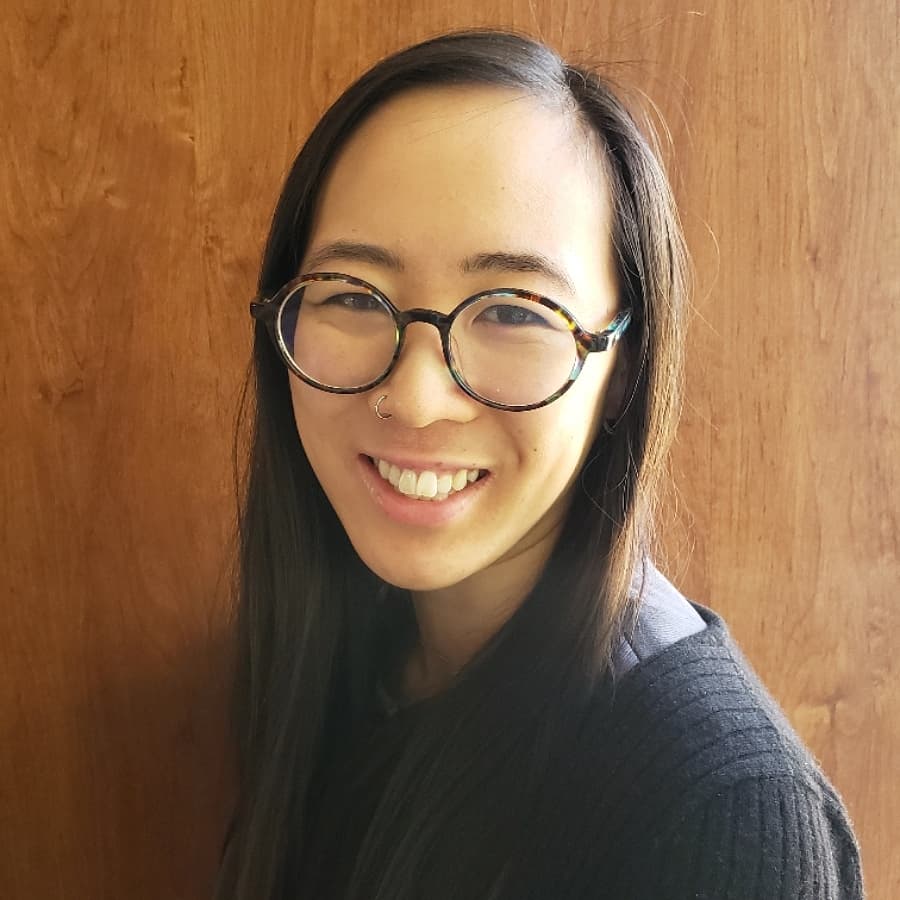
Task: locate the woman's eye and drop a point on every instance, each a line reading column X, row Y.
column 354, row 302
column 508, row 314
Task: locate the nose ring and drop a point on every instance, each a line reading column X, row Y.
column 378, row 412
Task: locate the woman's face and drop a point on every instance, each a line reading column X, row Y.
column 440, row 194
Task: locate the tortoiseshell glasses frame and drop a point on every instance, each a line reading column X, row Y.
column 268, row 310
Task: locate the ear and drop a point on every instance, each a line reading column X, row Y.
column 617, row 386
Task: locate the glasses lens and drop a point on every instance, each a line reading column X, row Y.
column 511, row 350
column 338, row 334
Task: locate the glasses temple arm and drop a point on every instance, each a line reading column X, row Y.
column 263, row 309
column 603, row 340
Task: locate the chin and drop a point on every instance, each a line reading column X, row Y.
column 409, row 574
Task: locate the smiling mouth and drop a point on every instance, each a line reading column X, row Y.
column 425, row 484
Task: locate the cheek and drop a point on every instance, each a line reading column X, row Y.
column 559, row 440
column 305, row 411
column 317, row 416
column 574, row 420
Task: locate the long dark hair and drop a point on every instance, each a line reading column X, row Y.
column 311, row 618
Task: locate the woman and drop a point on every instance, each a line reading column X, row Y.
column 459, row 674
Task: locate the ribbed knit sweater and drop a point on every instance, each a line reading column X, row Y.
column 727, row 801
column 692, row 784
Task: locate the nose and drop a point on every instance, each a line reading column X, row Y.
column 421, row 389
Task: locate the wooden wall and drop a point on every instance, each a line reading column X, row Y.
column 142, row 149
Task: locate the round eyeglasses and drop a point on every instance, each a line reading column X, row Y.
column 507, row 348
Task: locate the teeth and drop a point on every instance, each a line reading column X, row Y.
column 407, row 483
column 425, row 485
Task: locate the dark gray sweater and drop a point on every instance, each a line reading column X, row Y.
column 726, row 801
column 688, row 783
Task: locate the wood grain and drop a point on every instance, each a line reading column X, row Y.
column 143, row 147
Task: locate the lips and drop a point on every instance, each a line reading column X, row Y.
column 410, row 509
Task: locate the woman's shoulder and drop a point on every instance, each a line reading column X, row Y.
column 711, row 783
column 692, row 695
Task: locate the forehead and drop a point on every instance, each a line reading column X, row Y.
column 439, row 174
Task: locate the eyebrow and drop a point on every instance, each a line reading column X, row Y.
column 518, row 262
column 503, row 261
column 355, row 252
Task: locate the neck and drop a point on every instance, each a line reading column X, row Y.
column 455, row 622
